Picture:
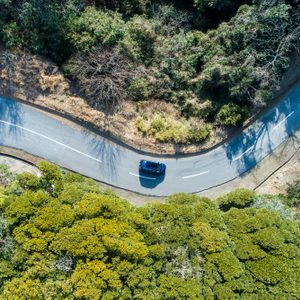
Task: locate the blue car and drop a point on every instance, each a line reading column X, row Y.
column 152, row 167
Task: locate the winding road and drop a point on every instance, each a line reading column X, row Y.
column 80, row 150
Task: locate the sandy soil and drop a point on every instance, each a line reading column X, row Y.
column 279, row 181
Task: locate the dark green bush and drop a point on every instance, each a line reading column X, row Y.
column 239, row 198
column 138, row 89
column 293, row 193
column 231, row 115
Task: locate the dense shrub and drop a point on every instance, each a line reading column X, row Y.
column 239, row 198
column 164, row 128
column 140, row 40
column 93, row 28
column 198, row 133
column 294, row 193
column 231, row 115
column 83, row 242
column 234, row 67
column 138, row 89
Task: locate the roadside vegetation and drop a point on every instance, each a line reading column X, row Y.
column 217, row 62
column 61, row 237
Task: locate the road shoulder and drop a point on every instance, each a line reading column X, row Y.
column 271, row 175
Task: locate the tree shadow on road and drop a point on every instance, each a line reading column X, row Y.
column 253, row 144
column 11, row 112
column 109, row 156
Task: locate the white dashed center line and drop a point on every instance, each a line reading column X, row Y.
column 240, row 156
column 194, row 175
column 140, row 176
column 282, row 120
column 49, row 139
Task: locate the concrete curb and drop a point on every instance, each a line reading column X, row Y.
column 132, row 197
column 118, row 141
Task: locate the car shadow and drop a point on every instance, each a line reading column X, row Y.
column 149, row 180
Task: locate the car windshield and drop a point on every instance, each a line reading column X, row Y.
column 152, row 164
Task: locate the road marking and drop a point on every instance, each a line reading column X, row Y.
column 140, row 176
column 47, row 138
column 248, row 150
column 282, row 120
column 195, row 175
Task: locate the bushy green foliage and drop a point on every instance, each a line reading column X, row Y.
column 140, row 39
column 83, row 243
column 198, row 133
column 273, row 203
column 239, row 198
column 138, row 89
column 231, row 115
column 294, row 193
column 164, row 128
column 11, row 36
column 170, row 55
column 94, row 27
column 126, row 7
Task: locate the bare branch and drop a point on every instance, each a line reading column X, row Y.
column 102, row 75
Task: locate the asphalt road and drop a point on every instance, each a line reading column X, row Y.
column 31, row 130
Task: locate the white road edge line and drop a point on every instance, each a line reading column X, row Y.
column 283, row 120
column 195, row 175
column 240, row 156
column 144, row 177
column 47, row 138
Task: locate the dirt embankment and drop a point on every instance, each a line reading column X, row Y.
column 40, row 82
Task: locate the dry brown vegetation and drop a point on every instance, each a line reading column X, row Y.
column 38, row 81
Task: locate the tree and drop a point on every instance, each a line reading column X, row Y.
column 54, row 246
column 126, row 7
column 169, row 20
column 102, row 75
column 6, row 240
column 171, row 287
column 54, row 216
column 94, row 279
column 95, row 205
column 94, row 28
column 231, row 115
column 238, row 198
column 51, row 179
column 140, row 40
column 28, row 181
